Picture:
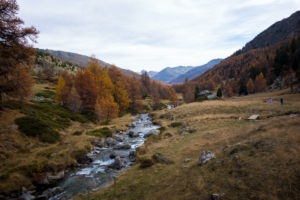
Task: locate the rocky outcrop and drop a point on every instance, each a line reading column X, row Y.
column 84, row 160
column 205, row 157
column 152, row 132
column 50, row 178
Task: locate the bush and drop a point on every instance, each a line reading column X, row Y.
column 162, row 129
column 102, row 132
column 176, row 124
column 146, row 163
column 50, row 137
column 168, row 134
column 77, row 133
column 33, row 126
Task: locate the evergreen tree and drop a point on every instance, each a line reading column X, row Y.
column 219, row 93
column 196, row 92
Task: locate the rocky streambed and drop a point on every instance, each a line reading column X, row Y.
column 97, row 169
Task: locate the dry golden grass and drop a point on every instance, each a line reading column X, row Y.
column 262, row 163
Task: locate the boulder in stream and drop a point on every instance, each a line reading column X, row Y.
column 122, row 146
column 51, row 192
column 119, row 138
column 152, row 132
column 111, row 142
column 133, row 134
column 117, row 164
column 84, row 160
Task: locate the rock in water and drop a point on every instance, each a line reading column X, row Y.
column 206, row 156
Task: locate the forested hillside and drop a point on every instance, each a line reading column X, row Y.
column 255, row 69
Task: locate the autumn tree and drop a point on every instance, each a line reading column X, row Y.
column 172, row 96
column 228, row 91
column 86, row 88
column 59, row 88
column 145, row 79
column 250, row 86
column 106, row 109
column 119, row 88
column 74, row 102
column 16, row 53
column 134, row 94
column 101, row 78
column 260, row 83
column 189, row 94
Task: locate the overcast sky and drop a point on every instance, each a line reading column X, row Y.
column 152, row 34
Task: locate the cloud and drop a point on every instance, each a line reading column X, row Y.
column 152, row 34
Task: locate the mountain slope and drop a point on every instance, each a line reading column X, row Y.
column 171, row 73
column 279, row 31
column 81, row 60
column 264, row 54
column 196, row 71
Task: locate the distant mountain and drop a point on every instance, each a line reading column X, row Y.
column 196, row 71
column 81, row 60
column 150, row 73
column 171, row 73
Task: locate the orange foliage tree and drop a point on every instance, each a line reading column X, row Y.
column 107, row 109
column 119, row 91
column 86, row 88
column 260, row 83
column 16, row 54
column 250, row 86
column 172, row 96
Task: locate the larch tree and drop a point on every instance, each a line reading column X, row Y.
column 260, row 83
column 119, row 88
column 250, row 86
column 16, row 53
column 74, row 102
column 86, row 88
column 134, row 94
column 59, row 88
column 106, row 109
column 172, row 96
column 101, row 78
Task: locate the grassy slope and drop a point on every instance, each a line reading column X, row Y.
column 262, row 163
column 21, row 157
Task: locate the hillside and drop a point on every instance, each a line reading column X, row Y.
column 279, row 31
column 256, row 159
column 196, row 71
column 81, row 60
column 278, row 57
column 170, row 73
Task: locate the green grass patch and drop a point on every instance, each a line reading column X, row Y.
column 46, row 94
column 101, row 132
column 44, row 119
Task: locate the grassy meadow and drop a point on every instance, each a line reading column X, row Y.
column 257, row 159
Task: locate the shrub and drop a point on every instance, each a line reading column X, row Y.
column 176, row 124
column 102, row 132
column 50, row 137
column 146, row 163
column 77, row 133
column 168, row 134
column 31, row 126
column 162, row 129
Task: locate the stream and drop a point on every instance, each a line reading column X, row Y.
column 97, row 174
